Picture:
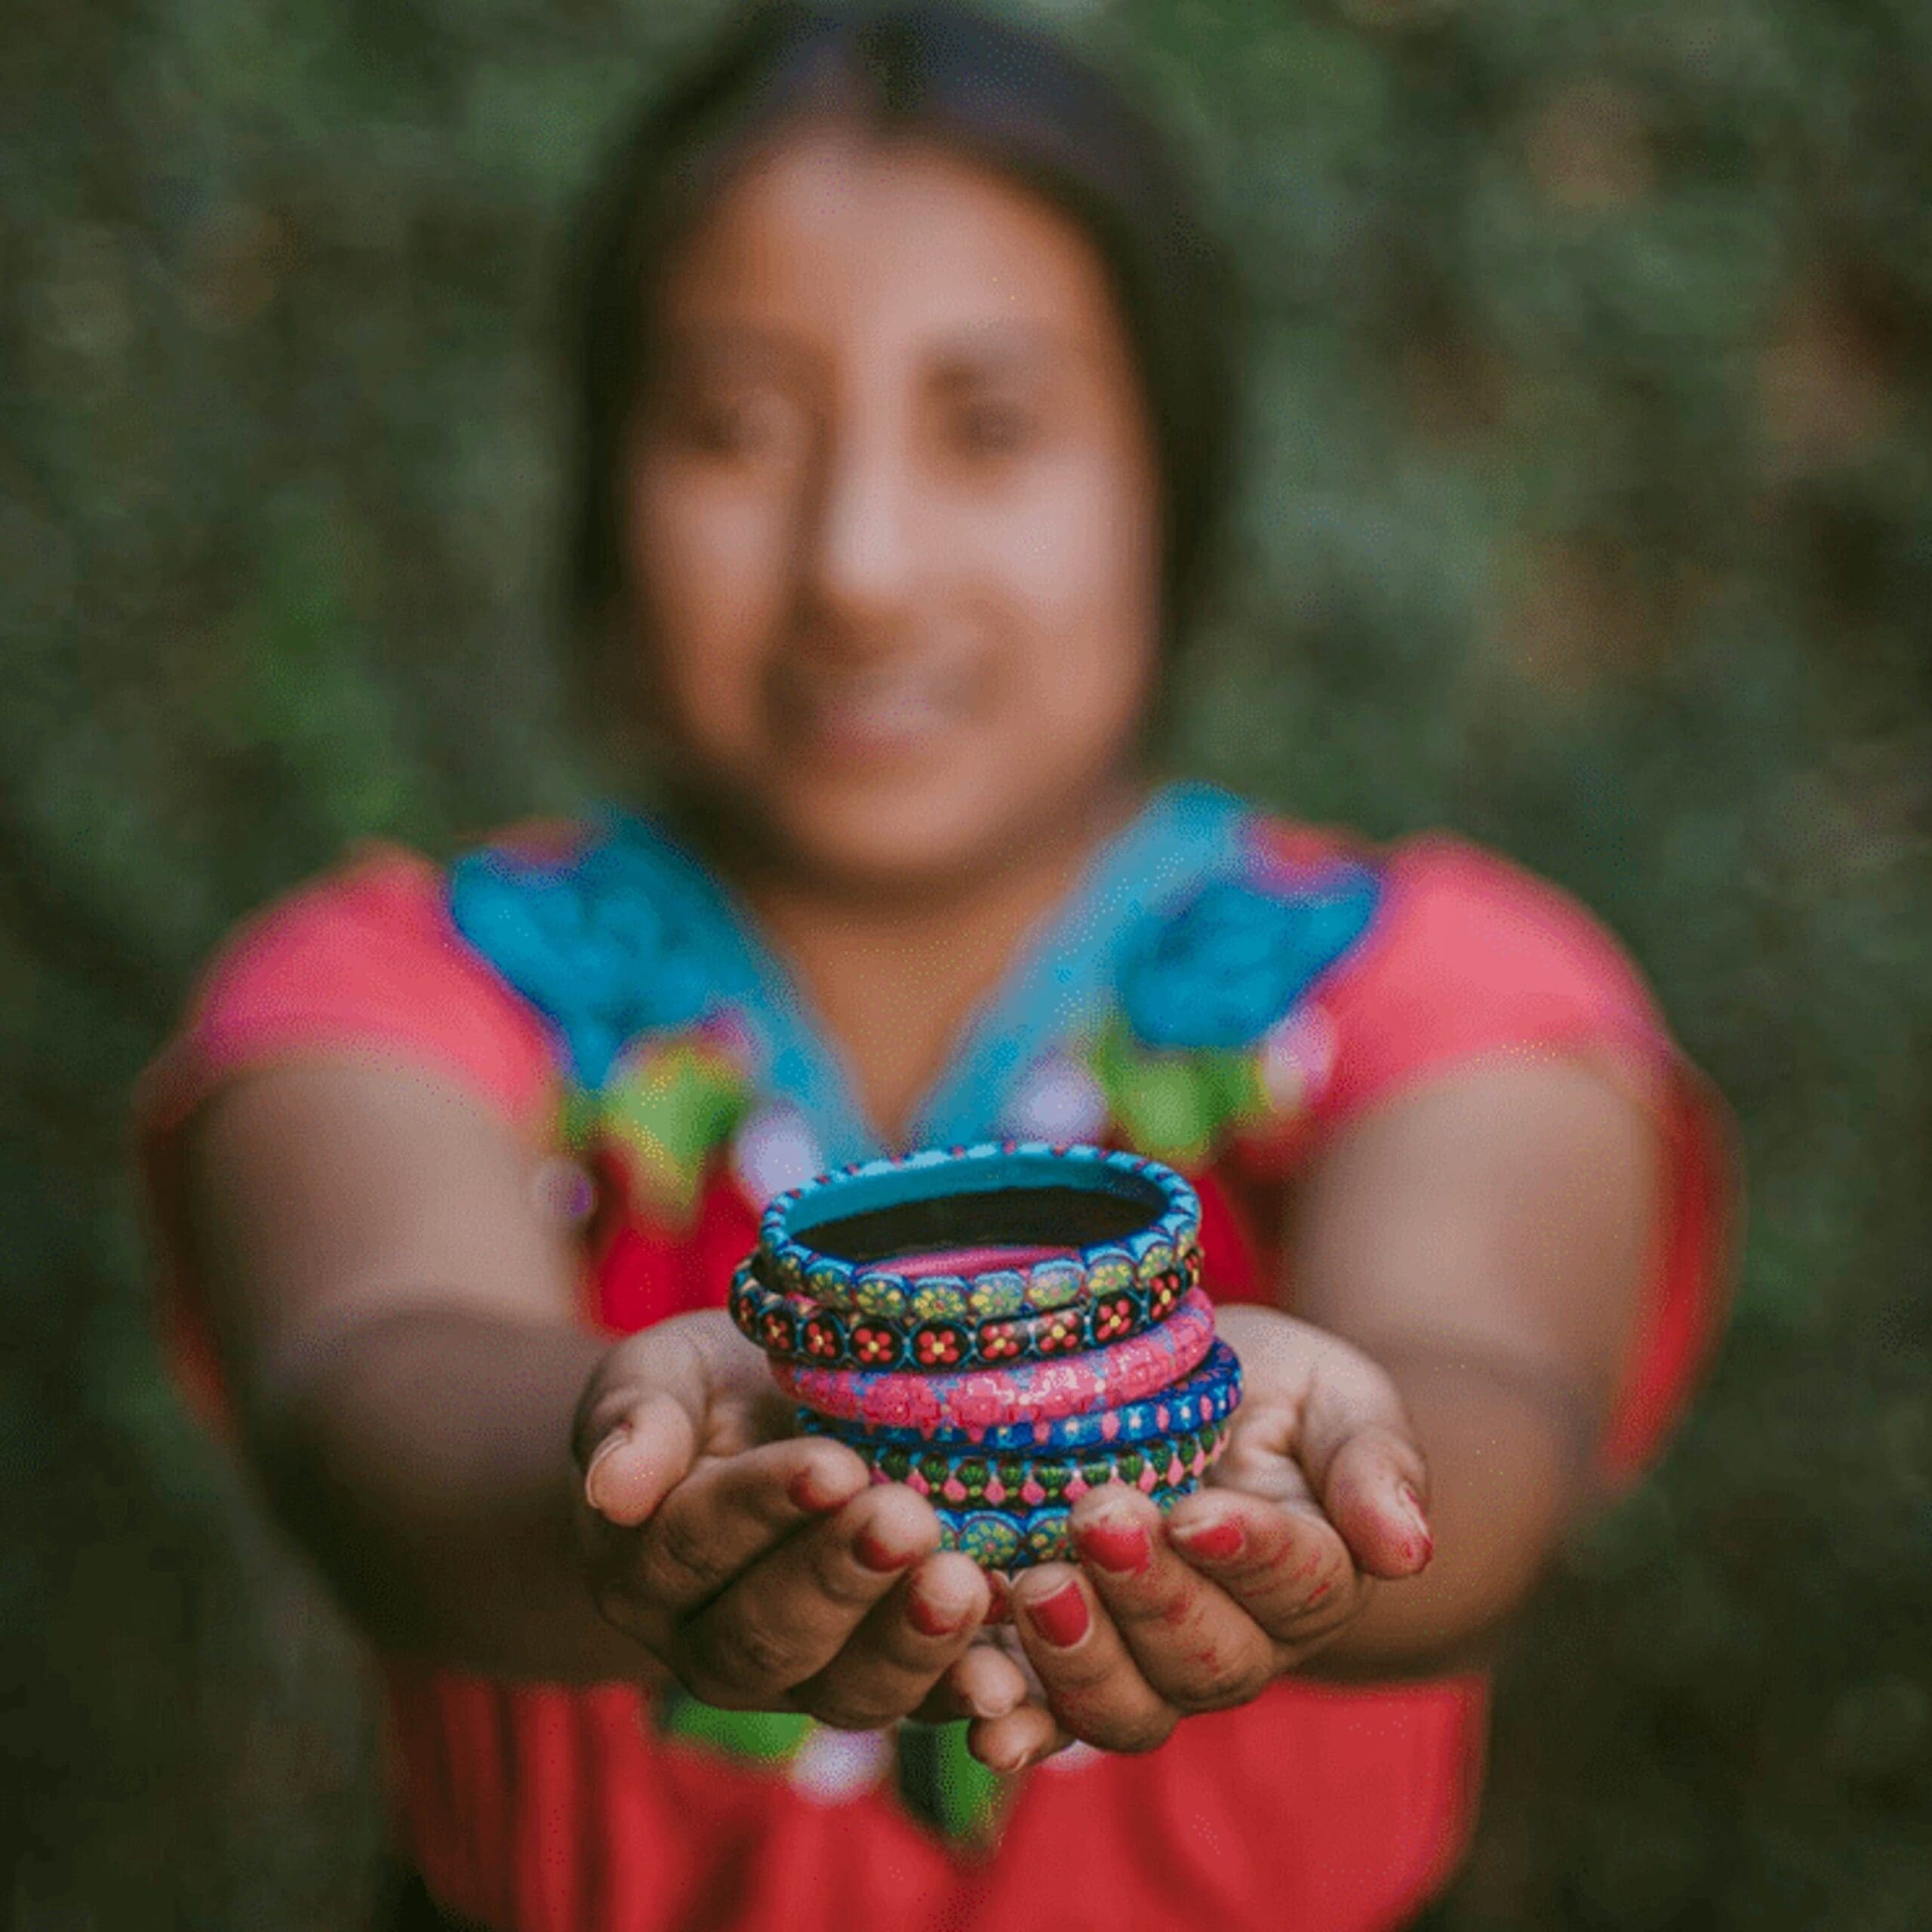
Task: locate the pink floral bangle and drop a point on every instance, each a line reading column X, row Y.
column 965, row 1406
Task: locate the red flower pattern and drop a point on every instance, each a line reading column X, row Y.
column 999, row 1341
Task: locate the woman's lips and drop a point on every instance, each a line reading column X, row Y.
column 885, row 711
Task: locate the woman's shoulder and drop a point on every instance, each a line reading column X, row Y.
column 1465, row 951
column 1316, row 971
column 363, row 956
column 1431, row 906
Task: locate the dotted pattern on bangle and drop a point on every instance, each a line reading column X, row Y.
column 997, row 1540
column 1017, row 1482
column 786, row 1264
column 1209, row 1395
column 796, row 1329
column 979, row 1399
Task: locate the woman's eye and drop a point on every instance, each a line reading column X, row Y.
column 993, row 429
column 747, row 428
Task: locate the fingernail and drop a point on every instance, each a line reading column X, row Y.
column 1424, row 1545
column 1120, row 1548
column 1061, row 1618
column 1220, row 1542
column 989, row 1708
column 1000, row 1610
column 617, row 1438
column 1014, row 1765
column 809, row 1490
column 875, row 1553
column 931, row 1619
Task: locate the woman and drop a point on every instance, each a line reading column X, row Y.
column 906, row 408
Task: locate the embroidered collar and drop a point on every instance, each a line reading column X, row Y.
column 1191, row 935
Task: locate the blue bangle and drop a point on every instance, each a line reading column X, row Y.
column 835, row 1240
column 996, row 1540
column 794, row 1328
column 1207, row 1396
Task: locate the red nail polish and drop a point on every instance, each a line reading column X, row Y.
column 1423, row 1546
column 1122, row 1548
column 931, row 1621
column 808, row 1491
column 1061, row 1618
column 1219, row 1542
column 875, row 1553
column 1000, row 1610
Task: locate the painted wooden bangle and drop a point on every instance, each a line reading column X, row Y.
column 1024, row 1392
column 1017, row 1482
column 996, row 1540
column 1211, row 1394
column 850, row 1240
column 797, row 1329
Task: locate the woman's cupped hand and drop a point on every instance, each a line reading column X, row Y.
column 1320, row 1494
column 766, row 1570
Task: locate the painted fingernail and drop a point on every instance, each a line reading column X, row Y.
column 809, row 1490
column 932, row 1619
column 1001, row 1609
column 1061, row 1618
column 1423, row 1546
column 875, row 1553
column 1121, row 1548
column 1219, row 1542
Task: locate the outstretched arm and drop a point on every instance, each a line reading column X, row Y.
column 398, row 1324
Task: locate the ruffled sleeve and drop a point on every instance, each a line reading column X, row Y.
column 1470, row 957
column 363, row 960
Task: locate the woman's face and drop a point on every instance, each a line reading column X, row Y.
column 893, row 522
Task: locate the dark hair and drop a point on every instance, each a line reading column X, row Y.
column 1009, row 97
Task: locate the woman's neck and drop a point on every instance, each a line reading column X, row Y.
column 894, row 980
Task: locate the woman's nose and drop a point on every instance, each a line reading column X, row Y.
column 860, row 564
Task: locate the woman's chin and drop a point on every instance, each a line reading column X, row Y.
column 895, row 835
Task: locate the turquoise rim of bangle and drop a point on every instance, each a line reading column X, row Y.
column 1156, row 1230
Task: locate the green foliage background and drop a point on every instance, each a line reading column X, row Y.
column 1592, row 513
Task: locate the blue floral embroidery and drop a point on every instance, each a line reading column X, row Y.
column 1216, row 974
column 607, row 945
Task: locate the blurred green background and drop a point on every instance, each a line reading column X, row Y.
column 1592, row 514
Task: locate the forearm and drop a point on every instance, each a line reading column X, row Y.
column 423, row 1459
column 1509, row 1457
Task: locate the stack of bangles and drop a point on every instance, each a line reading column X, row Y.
column 931, row 1312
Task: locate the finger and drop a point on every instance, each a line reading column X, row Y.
column 789, row 1615
column 984, row 1683
column 1023, row 1737
column 1355, row 1445
column 1091, row 1683
column 731, row 1512
column 642, row 1456
column 1196, row 1646
column 638, row 1385
column 1345, row 1427
column 1373, row 1489
column 1288, row 1569
column 903, row 1647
